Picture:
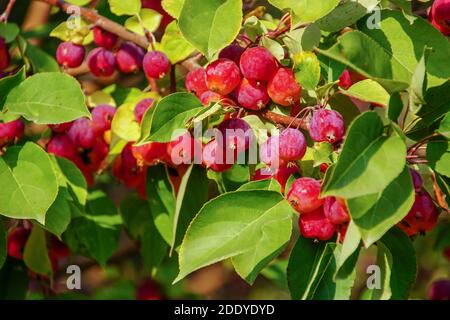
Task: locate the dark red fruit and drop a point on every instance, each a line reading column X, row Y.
column 103, row 38
column 315, row 225
column 10, row 131
column 292, row 145
column 126, row 168
column 141, row 108
column 97, row 155
column 214, row 157
column 58, row 249
column 281, row 174
column 61, row 127
column 304, row 195
column 252, row 94
column 345, row 80
column 61, row 146
column 17, row 238
column 209, row 97
column 150, row 153
column 5, row 58
column 232, row 52
column 440, row 16
column 258, row 64
column 236, row 134
column 196, row 81
column 70, row 55
column 336, row 211
column 156, row 64
column 148, row 290
column 129, row 58
column 417, row 180
column 101, row 62
column 102, row 116
column 439, row 290
column 283, row 89
column 82, row 133
column 184, row 150
column 222, row 76
column 327, row 125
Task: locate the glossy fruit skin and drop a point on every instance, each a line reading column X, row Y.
column 126, row 169
column 422, row 217
column 439, row 290
column 10, row 131
column 142, row 107
column 103, row 38
column 5, row 58
column 281, row 175
column 101, row 62
column 82, row 133
column 214, row 157
column 102, row 116
column 17, row 238
column 232, row 52
column 327, row 126
column 236, row 134
column 150, row 153
column 129, row 58
column 315, row 225
column 292, row 145
column 252, row 94
column 417, row 180
column 184, row 150
column 283, row 89
column 440, row 16
column 304, row 195
column 61, row 145
column 222, row 76
column 148, row 290
column 258, row 64
column 196, row 81
column 345, row 80
column 156, row 64
column 61, row 127
column 208, row 97
column 335, row 211
column 70, row 55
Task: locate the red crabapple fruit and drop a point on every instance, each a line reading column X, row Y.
column 10, row 131
column 258, row 64
column 129, row 58
column 208, row 97
column 269, row 151
column 292, row 145
column 184, row 150
column 440, row 16
column 336, row 211
column 5, row 58
column 150, row 153
column 252, row 94
column 196, row 81
column 283, row 89
column 417, row 180
column 439, row 290
column 327, row 125
column 222, row 76
column 281, row 174
column 17, row 238
column 236, row 134
column 148, row 290
column 142, row 107
column 214, row 157
column 345, row 80
column 102, row 116
column 70, row 55
column 304, row 195
column 232, row 52
column 315, row 225
column 156, row 64
column 103, row 38
column 101, row 62
column 82, row 133
column 61, row 145
column 61, row 127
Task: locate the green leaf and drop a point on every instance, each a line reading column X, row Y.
column 9, row 31
column 395, row 107
column 71, row 178
column 304, row 39
column 124, row 124
column 438, row 155
column 10, row 82
column 311, row 269
column 231, row 179
column 419, row 80
column 173, row 7
column 41, row 60
column 307, row 10
column 14, row 279
column 368, row 91
column 170, row 114
column 248, row 226
column 29, row 183
column 35, row 254
column 147, row 19
column 364, row 157
column 210, row 25
column 375, row 214
column 129, row 7
column 274, row 47
column 161, row 199
column 350, row 245
column 384, row 261
column 48, row 98
column 59, row 214
column 3, row 248
column 307, row 70
column 80, row 34
column 444, row 127
column 192, row 195
column 267, row 184
column 174, row 45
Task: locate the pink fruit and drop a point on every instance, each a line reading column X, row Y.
column 70, row 55
column 282, row 174
column 141, row 108
column 315, row 225
column 17, row 238
column 101, row 62
column 283, row 89
column 258, row 64
column 304, row 195
column 61, row 146
column 209, row 97
column 10, row 131
column 292, row 145
column 61, row 127
column 440, row 16
column 214, row 157
column 82, row 133
column 252, row 94
column 184, row 150
column 196, row 81
column 335, row 211
column 156, row 64
column 327, row 125
column 222, row 76
column 103, row 38
column 5, row 58
column 150, row 153
column 232, row 52
column 129, row 58
column 102, row 116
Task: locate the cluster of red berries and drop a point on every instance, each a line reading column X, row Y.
column 320, row 217
column 18, row 237
column 11, row 132
column 111, row 55
column 423, row 216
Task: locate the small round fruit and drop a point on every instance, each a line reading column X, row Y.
column 304, row 195
column 232, row 52
column 196, row 81
column 345, row 80
column 336, row 211
column 61, row 127
column 315, row 225
column 439, row 290
column 102, row 116
column 5, row 58
column 156, row 64
column 184, row 150
column 82, row 133
column 101, row 62
column 252, row 94
column 17, row 238
column 283, row 89
column 70, row 55
column 10, row 131
column 423, row 215
column 150, row 153
column 142, row 107
column 292, row 145
column 214, row 157
column 281, row 175
column 129, row 58
column 236, row 133
column 103, row 38
column 222, row 76
column 258, row 64
column 440, row 16
column 208, row 97
column 61, row 146
column 148, row 290
column 327, row 125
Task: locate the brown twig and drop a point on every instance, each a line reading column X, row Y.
column 5, row 15
column 284, row 120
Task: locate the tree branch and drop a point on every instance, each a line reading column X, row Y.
column 4, row 17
